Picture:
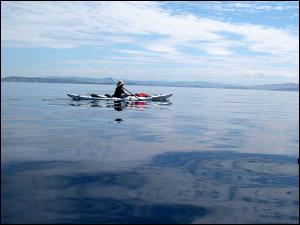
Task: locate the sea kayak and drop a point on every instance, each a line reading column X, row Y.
column 160, row 97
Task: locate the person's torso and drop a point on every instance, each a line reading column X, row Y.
column 118, row 92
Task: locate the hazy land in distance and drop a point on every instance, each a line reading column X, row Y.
column 196, row 84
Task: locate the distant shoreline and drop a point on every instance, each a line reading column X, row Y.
column 197, row 84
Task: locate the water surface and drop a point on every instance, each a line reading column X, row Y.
column 206, row 156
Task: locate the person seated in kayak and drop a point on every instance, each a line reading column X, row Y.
column 120, row 92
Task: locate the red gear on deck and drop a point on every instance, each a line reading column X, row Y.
column 142, row 94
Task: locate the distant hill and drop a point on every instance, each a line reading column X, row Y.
column 72, row 80
column 199, row 84
column 84, row 79
column 278, row 87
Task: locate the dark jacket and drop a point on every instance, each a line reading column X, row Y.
column 119, row 92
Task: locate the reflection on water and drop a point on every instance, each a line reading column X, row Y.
column 218, row 188
column 118, row 120
column 120, row 105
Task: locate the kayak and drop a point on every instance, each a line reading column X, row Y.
column 161, row 97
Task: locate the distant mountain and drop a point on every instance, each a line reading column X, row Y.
column 72, row 80
column 278, row 87
column 199, row 84
column 85, row 79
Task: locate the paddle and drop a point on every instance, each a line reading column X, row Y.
column 127, row 90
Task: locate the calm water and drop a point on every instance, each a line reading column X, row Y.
column 206, row 156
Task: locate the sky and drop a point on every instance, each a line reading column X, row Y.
column 231, row 42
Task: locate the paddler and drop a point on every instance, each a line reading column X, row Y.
column 120, row 92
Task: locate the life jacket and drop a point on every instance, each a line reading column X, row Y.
column 118, row 92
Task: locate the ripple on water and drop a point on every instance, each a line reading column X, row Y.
column 234, row 168
column 123, row 212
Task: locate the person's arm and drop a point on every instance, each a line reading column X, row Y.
column 124, row 91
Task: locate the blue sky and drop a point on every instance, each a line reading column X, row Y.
column 229, row 42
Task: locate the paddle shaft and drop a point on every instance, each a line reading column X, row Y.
column 127, row 91
column 131, row 93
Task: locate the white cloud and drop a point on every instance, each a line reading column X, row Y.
column 251, row 6
column 89, row 23
column 65, row 25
